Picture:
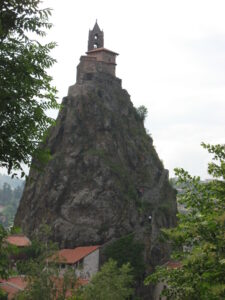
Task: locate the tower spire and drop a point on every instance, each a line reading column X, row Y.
column 96, row 38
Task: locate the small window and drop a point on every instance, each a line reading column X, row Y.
column 95, row 46
column 96, row 37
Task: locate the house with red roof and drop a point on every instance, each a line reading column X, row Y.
column 13, row 285
column 18, row 240
column 162, row 285
column 84, row 260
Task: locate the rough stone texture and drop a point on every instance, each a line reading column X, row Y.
column 104, row 179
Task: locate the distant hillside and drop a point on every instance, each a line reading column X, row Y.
column 13, row 182
column 180, row 188
column 10, row 193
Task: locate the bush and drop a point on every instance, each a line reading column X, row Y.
column 142, row 112
column 127, row 250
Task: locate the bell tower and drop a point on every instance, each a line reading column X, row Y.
column 98, row 58
column 96, row 38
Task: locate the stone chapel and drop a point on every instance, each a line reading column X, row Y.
column 98, row 58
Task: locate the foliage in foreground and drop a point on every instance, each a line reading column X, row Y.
column 45, row 282
column 128, row 250
column 199, row 238
column 25, row 86
column 111, row 283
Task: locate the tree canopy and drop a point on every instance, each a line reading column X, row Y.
column 111, row 283
column 142, row 112
column 199, row 239
column 25, row 86
column 128, row 250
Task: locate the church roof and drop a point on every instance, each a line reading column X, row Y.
column 101, row 49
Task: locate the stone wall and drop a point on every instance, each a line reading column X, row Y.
column 90, row 64
column 89, row 267
column 158, row 290
column 104, row 56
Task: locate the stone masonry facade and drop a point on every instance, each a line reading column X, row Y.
column 98, row 58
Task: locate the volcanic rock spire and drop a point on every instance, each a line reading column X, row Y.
column 104, row 179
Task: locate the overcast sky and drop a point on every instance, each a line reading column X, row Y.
column 172, row 60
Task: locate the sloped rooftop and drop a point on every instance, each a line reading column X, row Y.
column 18, row 240
column 173, row 264
column 71, row 256
column 101, row 49
column 14, row 285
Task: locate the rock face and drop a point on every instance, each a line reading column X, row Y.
column 104, row 179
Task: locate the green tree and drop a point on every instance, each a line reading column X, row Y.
column 25, row 86
column 4, row 255
column 38, row 252
column 128, row 250
column 111, row 283
column 45, row 282
column 142, row 112
column 199, row 239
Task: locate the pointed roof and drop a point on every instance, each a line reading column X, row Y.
column 96, row 27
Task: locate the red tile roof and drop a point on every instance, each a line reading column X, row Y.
column 14, row 285
column 59, row 285
column 71, row 256
column 18, row 240
column 173, row 264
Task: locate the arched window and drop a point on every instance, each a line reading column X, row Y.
column 95, row 45
column 96, row 36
